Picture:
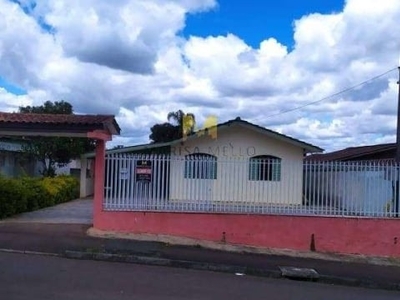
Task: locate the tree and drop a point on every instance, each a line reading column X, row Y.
column 58, row 107
column 185, row 122
column 117, row 147
column 182, row 125
column 54, row 151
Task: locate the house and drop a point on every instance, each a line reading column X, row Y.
column 184, row 189
column 235, row 161
column 13, row 162
column 378, row 152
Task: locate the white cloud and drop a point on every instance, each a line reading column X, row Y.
column 127, row 58
column 10, row 102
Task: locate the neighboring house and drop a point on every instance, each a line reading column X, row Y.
column 233, row 161
column 73, row 169
column 378, row 152
column 353, row 179
column 14, row 162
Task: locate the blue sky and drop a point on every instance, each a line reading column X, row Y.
column 257, row 20
column 11, row 87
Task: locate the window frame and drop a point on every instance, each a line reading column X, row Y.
column 265, row 168
column 201, row 166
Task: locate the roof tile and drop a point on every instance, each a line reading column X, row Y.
column 54, row 118
column 351, row 152
column 59, row 119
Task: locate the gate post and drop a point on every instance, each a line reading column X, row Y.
column 99, row 181
column 83, row 178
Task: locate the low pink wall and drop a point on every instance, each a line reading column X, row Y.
column 380, row 237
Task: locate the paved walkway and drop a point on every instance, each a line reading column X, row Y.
column 73, row 212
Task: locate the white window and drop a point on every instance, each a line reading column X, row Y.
column 265, row 168
column 200, row 166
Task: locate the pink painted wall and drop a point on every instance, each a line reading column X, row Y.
column 379, row 237
column 99, row 169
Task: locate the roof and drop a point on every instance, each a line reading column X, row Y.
column 26, row 119
column 309, row 148
column 135, row 148
column 352, row 153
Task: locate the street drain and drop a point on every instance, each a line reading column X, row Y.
column 299, row 273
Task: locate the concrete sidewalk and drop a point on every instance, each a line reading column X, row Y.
column 79, row 211
column 72, row 241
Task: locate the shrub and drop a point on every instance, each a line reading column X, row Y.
column 61, row 188
column 38, row 196
column 28, row 194
column 13, row 197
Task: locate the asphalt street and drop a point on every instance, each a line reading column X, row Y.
column 34, row 277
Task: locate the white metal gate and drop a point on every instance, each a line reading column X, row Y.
column 127, row 186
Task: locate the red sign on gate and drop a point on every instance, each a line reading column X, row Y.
column 143, row 170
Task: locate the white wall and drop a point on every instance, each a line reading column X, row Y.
column 356, row 192
column 233, row 147
column 87, row 176
column 64, row 170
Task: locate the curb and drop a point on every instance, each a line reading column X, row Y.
column 222, row 268
column 2, row 250
column 354, row 282
column 165, row 262
column 235, row 248
column 268, row 273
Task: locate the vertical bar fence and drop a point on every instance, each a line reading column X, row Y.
column 265, row 185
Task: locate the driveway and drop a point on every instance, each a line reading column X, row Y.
column 74, row 212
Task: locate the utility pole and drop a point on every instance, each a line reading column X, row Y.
column 397, row 186
column 398, row 121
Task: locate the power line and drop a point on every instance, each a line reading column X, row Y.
column 333, row 95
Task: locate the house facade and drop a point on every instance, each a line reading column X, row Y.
column 13, row 162
column 234, row 162
column 241, row 162
column 134, row 205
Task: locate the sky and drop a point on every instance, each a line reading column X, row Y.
column 324, row 72
column 257, row 20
